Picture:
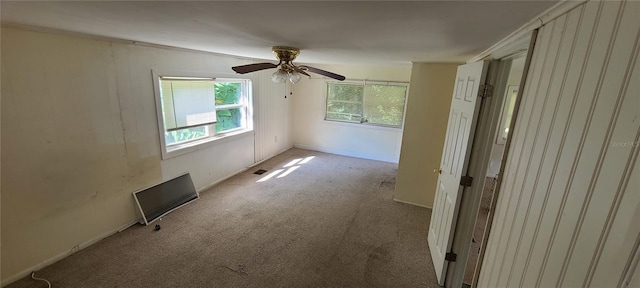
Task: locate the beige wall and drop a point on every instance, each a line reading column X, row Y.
column 311, row 131
column 424, row 132
column 79, row 135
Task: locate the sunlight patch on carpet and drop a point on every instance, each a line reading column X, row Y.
column 305, row 160
column 293, row 162
column 270, row 175
column 293, row 165
column 288, row 171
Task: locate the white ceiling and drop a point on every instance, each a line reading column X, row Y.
column 359, row 32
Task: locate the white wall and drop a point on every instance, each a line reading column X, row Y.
column 424, row 132
column 79, row 135
column 568, row 209
column 312, row 132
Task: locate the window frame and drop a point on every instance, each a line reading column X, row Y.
column 246, row 104
column 364, row 83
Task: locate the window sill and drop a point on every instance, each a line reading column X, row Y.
column 180, row 149
column 363, row 125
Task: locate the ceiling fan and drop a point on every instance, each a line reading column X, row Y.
column 286, row 70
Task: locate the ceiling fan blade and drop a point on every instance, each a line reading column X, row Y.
column 253, row 67
column 323, row 72
column 300, row 70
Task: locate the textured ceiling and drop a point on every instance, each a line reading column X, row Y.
column 360, row 32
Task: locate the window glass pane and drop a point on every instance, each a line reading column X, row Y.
column 183, row 135
column 384, row 104
column 339, row 110
column 344, row 102
column 229, row 119
column 344, row 92
column 228, row 93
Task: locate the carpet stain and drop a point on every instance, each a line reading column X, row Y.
column 389, row 182
column 240, row 271
column 381, row 253
column 377, row 262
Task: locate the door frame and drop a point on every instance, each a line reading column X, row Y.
column 486, row 129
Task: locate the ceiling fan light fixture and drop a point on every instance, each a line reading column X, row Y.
column 287, row 70
column 280, row 76
column 294, row 77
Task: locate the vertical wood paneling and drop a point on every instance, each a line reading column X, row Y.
column 569, row 197
column 273, row 127
column 607, row 175
column 514, row 180
column 550, row 143
column 493, row 248
column 565, row 161
column 614, row 234
column 541, row 118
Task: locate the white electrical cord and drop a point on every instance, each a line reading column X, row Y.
column 36, row 278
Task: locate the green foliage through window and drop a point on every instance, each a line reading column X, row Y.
column 227, row 93
column 183, row 135
column 373, row 103
column 229, row 119
column 228, row 97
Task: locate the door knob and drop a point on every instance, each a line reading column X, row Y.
column 437, row 170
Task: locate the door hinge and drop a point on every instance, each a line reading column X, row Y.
column 451, row 257
column 485, row 91
column 466, row 181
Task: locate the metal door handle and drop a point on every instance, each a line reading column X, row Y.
column 437, row 170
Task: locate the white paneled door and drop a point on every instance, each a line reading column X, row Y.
column 460, row 130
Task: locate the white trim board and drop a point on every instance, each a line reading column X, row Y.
column 346, row 153
column 412, row 203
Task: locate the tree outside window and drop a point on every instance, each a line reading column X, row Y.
column 367, row 103
column 228, row 97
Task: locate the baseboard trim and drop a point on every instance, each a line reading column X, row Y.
column 65, row 254
column 269, row 157
column 347, row 153
column 412, row 203
column 209, row 186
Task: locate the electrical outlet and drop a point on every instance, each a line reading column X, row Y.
column 276, row 138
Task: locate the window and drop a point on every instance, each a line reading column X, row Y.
column 194, row 111
column 377, row 103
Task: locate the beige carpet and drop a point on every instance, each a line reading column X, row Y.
column 331, row 222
